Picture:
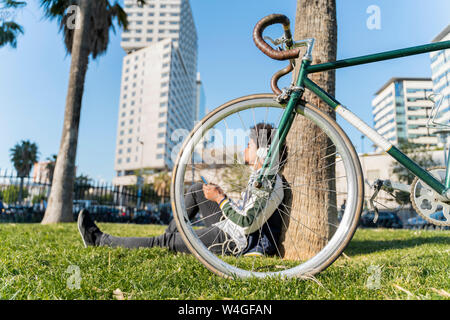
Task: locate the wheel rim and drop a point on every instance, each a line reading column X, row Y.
column 221, row 265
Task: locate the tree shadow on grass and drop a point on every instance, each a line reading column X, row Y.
column 357, row 247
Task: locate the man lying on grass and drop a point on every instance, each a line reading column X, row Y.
column 251, row 226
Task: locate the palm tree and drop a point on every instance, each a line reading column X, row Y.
column 82, row 185
column 23, row 156
column 51, row 167
column 317, row 19
column 161, row 184
column 89, row 36
column 9, row 30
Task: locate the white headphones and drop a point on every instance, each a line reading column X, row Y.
column 262, row 153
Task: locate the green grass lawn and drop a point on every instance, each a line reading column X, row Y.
column 41, row 262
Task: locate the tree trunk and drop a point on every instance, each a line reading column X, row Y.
column 59, row 208
column 20, row 191
column 312, row 209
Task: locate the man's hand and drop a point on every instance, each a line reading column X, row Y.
column 213, row 192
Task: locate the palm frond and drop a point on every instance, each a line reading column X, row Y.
column 11, row 4
column 103, row 18
column 9, row 31
column 23, row 156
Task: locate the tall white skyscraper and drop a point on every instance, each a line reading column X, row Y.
column 401, row 109
column 201, row 100
column 440, row 73
column 159, row 85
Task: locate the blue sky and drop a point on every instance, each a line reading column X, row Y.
column 33, row 77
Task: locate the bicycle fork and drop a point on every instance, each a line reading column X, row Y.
column 285, row 124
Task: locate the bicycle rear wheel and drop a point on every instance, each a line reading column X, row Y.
column 239, row 116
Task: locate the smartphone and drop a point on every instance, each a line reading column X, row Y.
column 204, row 180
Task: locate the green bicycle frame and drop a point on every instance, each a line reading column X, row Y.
column 304, row 82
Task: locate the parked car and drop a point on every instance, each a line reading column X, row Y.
column 420, row 223
column 385, row 219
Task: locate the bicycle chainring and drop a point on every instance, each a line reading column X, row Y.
column 427, row 202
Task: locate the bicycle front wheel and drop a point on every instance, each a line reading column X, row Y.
column 214, row 150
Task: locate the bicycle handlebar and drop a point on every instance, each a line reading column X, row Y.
column 265, row 47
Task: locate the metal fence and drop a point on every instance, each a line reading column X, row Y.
column 24, row 199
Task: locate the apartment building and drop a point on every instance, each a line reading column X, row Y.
column 158, row 98
column 401, row 110
column 440, row 74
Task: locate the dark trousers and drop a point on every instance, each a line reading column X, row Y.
column 195, row 202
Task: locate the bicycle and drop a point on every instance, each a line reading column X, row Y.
column 430, row 190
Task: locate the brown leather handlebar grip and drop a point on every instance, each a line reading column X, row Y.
column 277, row 76
column 265, row 47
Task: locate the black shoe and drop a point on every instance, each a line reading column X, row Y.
column 89, row 231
